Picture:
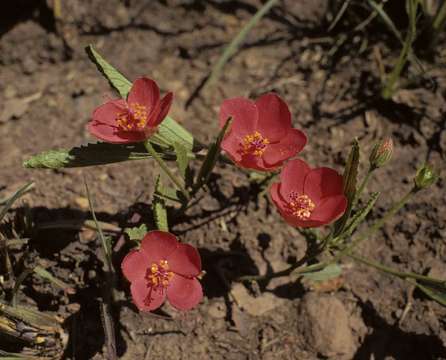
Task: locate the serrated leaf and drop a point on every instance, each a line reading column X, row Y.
column 114, row 77
column 159, row 209
column 171, row 132
column 137, row 233
column 360, row 216
column 91, row 154
column 329, row 272
column 168, row 193
column 182, row 159
column 211, row 157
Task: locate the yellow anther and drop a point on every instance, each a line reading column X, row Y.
column 301, row 206
column 254, row 144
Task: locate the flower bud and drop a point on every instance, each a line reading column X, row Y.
column 381, row 153
column 425, row 177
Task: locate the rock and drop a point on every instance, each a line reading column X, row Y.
column 13, row 108
column 255, row 306
column 82, row 202
column 307, row 10
column 217, row 310
column 324, row 323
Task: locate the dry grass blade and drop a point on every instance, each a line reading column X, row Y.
column 41, row 334
column 107, row 318
column 339, row 15
column 10, row 201
column 44, row 274
column 109, row 330
column 237, row 41
column 391, row 83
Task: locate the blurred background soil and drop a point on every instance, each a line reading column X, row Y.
column 49, row 88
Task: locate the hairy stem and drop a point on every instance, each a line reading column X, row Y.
column 166, row 169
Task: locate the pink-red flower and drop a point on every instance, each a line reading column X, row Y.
column 122, row 121
column 309, row 197
column 162, row 268
column 261, row 136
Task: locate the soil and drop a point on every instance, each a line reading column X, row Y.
column 48, row 89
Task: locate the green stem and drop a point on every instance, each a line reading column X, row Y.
column 293, row 268
column 392, row 271
column 378, row 224
column 363, row 185
column 166, row 169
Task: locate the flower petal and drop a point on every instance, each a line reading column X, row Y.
column 158, row 245
column 231, row 145
column 135, row 265
column 293, row 177
column 107, row 133
column 106, row 113
column 292, row 144
column 277, row 199
column 184, row 293
column 323, row 182
column 165, row 104
column 185, row 260
column 244, row 115
column 274, row 117
column 146, row 298
column 330, row 209
column 145, row 92
column 250, row 161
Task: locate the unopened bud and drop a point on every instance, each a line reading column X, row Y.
column 381, row 153
column 425, row 177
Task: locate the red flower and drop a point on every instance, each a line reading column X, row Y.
column 121, row 122
column 261, row 136
column 162, row 268
column 309, row 197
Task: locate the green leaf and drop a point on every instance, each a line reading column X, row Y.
column 159, row 209
column 89, row 155
column 182, row 159
column 360, row 216
column 137, row 233
column 329, row 272
column 114, row 77
column 171, row 132
column 167, row 193
column 350, row 177
column 211, row 157
column 436, row 291
column 351, row 172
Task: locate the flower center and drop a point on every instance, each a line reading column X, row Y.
column 301, row 206
column 133, row 118
column 254, row 144
column 158, row 275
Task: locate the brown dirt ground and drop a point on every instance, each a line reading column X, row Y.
column 48, row 89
